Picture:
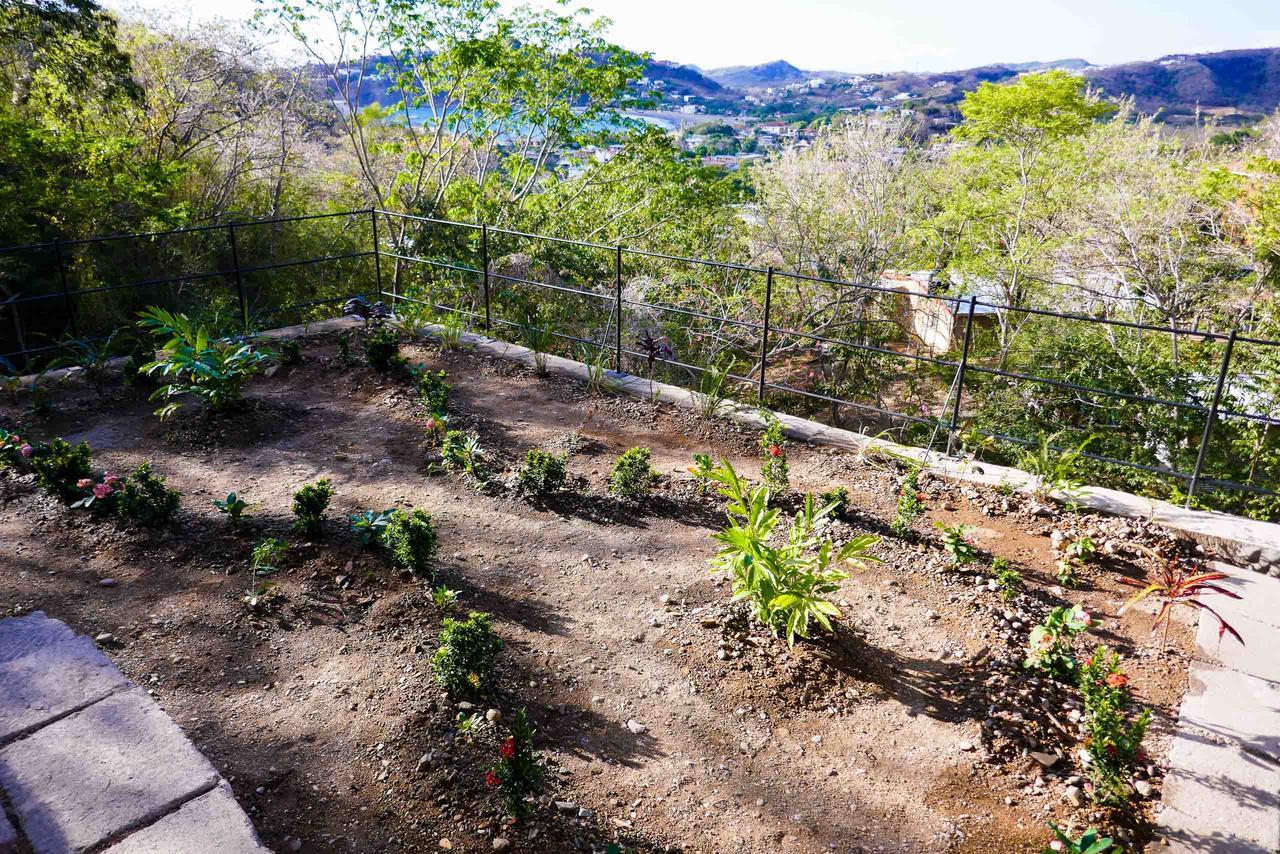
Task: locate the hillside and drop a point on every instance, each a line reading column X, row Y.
column 683, row 79
column 1246, row 81
column 777, row 73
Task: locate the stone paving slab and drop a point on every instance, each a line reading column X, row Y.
column 116, row 765
column 47, row 672
column 211, row 822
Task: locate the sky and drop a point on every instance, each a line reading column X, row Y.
column 901, row 35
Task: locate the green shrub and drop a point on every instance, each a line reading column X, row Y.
column 371, row 525
column 433, row 390
column 290, row 352
column 541, row 474
column 382, row 350
column 701, row 471
column 410, row 537
column 1050, row 645
column 462, row 452
column 468, row 653
column 518, row 770
column 146, row 499
column 838, row 500
column 1113, row 732
column 309, row 504
column 775, row 471
column 633, row 475
column 910, row 503
column 59, row 467
column 1008, row 578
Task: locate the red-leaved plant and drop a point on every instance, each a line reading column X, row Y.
column 1173, row 583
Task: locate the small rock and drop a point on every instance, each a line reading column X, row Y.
column 446, row 844
column 501, row 843
column 636, row 727
column 1143, row 788
column 108, row 582
column 566, row 806
column 967, row 746
column 493, row 716
column 1048, row 760
column 105, row 637
column 1074, row 796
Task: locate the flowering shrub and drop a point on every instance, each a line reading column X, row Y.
column 633, row 476
column 100, row 495
column 518, row 770
column 786, row 586
column 437, row 427
column 1113, row 733
column 195, row 363
column 410, row 537
column 59, row 467
column 959, row 543
column 12, row 454
column 233, row 506
column 1049, row 647
column 1008, row 578
column 382, row 350
column 541, row 473
column 146, row 499
column 910, row 503
column 467, row 655
column 371, row 525
column 309, row 504
column 775, row 471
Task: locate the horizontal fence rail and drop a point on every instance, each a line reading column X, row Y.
column 388, row 244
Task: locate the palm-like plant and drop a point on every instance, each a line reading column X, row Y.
column 1169, row 580
column 788, row 586
column 212, row 369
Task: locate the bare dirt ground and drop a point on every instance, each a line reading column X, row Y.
column 909, row 731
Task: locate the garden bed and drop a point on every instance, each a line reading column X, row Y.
column 669, row 719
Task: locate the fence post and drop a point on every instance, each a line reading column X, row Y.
column 66, row 293
column 764, row 334
column 377, row 258
column 617, row 302
column 235, row 263
column 1211, row 417
column 484, row 262
column 964, row 364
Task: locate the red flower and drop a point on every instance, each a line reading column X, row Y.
column 1117, row 680
column 492, row 779
column 775, row 451
column 509, row 747
column 920, row 497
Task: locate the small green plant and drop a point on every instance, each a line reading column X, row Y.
column 1113, row 731
column 540, row 474
column 437, row 427
column 462, row 452
column 266, row 557
column 468, row 654
column 701, row 470
column 146, row 499
column 469, row 724
column 518, row 771
column 444, row 598
column 538, row 337
column 309, row 504
column 1090, row 842
column 233, row 506
column 450, row 329
column 910, row 503
column 1077, row 553
column 1008, row 578
column 633, row 475
column 959, row 543
column 91, row 357
column 344, row 350
column 382, row 350
column 711, row 395
column 14, row 452
column 371, row 525
column 1055, row 471
column 787, row 586
column 775, row 471
column 410, row 538
column 290, row 352
column 596, row 362
column 433, row 390
column 59, row 467
column 1050, row 645
column 837, row 498
column 193, row 362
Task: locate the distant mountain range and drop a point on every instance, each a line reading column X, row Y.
column 780, row 72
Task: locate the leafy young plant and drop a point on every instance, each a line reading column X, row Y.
column 538, row 337
column 787, row 586
column 146, row 499
column 433, row 390
column 344, row 350
column 597, row 370
column 633, row 475
column 371, row 525
column 1055, row 471
column 91, row 357
column 1076, row 553
column 711, row 390
column 518, row 771
column 958, row 542
column 450, row 329
column 59, row 467
column 837, row 498
column 192, row 362
column 290, row 352
column 410, row 538
column 444, row 598
column 14, row 452
column 1007, row 578
column 309, row 504
column 266, row 556
column 701, row 470
column 1090, row 842
column 1169, row 581
column 1049, row 647
column 910, row 503
column 1113, row 732
column 233, row 506
column 462, row 452
column 540, row 474
column 773, row 444
column 468, row 654
column 382, row 350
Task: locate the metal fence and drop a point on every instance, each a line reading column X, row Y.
column 396, row 246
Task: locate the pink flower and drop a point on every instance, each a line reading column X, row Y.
column 1086, row 617
column 16, row 440
column 111, row 480
column 102, row 490
column 1056, row 845
column 84, row 483
column 28, row 451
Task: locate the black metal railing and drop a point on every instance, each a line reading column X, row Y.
column 395, row 245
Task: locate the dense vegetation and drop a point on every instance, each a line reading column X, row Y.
column 1046, row 196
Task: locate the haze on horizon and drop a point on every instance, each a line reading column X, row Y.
column 884, row 35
